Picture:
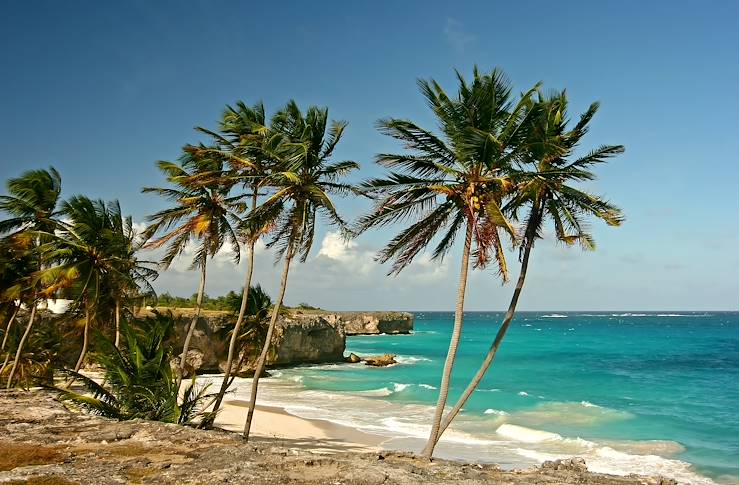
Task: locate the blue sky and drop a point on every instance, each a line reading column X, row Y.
column 102, row 91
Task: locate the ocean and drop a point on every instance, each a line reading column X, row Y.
column 654, row 393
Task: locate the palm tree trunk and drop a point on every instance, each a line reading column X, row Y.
column 7, row 329
column 235, row 335
column 19, row 350
column 267, row 342
column 85, row 341
column 117, row 323
column 496, row 343
column 428, row 451
column 191, row 328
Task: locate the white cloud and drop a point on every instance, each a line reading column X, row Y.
column 456, row 34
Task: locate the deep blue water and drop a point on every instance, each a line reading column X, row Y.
column 649, row 392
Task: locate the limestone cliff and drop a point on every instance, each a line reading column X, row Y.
column 301, row 337
column 377, row 322
column 298, row 339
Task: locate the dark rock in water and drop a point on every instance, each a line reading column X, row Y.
column 381, row 360
column 353, row 358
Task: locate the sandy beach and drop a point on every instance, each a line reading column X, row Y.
column 318, row 435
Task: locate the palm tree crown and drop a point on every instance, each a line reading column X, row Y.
column 446, row 182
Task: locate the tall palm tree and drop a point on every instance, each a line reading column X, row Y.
column 130, row 276
column 251, row 149
column 452, row 182
column 31, row 204
column 544, row 189
column 302, row 185
column 204, row 211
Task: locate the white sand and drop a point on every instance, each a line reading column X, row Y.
column 315, row 434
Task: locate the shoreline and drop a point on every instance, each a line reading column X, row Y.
column 43, row 441
column 276, row 423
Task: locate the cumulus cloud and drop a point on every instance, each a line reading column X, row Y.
column 340, row 275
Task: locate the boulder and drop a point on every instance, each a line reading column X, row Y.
column 193, row 362
column 380, row 360
column 576, row 464
column 353, row 358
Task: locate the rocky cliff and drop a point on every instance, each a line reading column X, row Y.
column 298, row 339
column 372, row 323
column 301, row 337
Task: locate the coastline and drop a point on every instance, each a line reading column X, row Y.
column 45, row 442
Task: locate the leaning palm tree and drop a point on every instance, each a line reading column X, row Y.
column 453, row 182
column 204, row 211
column 251, row 149
column 97, row 245
column 16, row 265
column 544, row 188
column 302, row 185
column 31, row 205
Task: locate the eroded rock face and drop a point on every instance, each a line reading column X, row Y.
column 305, row 339
column 299, row 339
column 372, row 323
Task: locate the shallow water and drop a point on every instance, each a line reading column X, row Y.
column 630, row 392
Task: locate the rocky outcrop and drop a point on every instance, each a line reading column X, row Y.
column 380, row 360
column 307, row 339
column 373, row 323
column 298, row 339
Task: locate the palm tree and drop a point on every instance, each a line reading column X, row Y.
column 130, row 277
column 204, row 211
column 16, row 264
column 302, row 185
column 138, row 376
column 31, row 205
column 97, row 245
column 546, row 190
column 251, row 150
column 456, row 181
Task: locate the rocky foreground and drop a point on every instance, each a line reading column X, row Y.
column 42, row 442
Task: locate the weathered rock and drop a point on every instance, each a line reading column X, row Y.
column 576, row 463
column 380, row 360
column 299, row 339
column 193, row 362
column 353, row 358
column 304, row 339
column 372, row 323
column 42, row 442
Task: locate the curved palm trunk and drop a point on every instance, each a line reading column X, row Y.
column 8, row 328
column 496, row 343
column 19, row 350
column 267, row 342
column 85, row 341
column 453, row 344
column 235, row 335
column 117, row 323
column 191, row 328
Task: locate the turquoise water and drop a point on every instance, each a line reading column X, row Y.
column 631, row 392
